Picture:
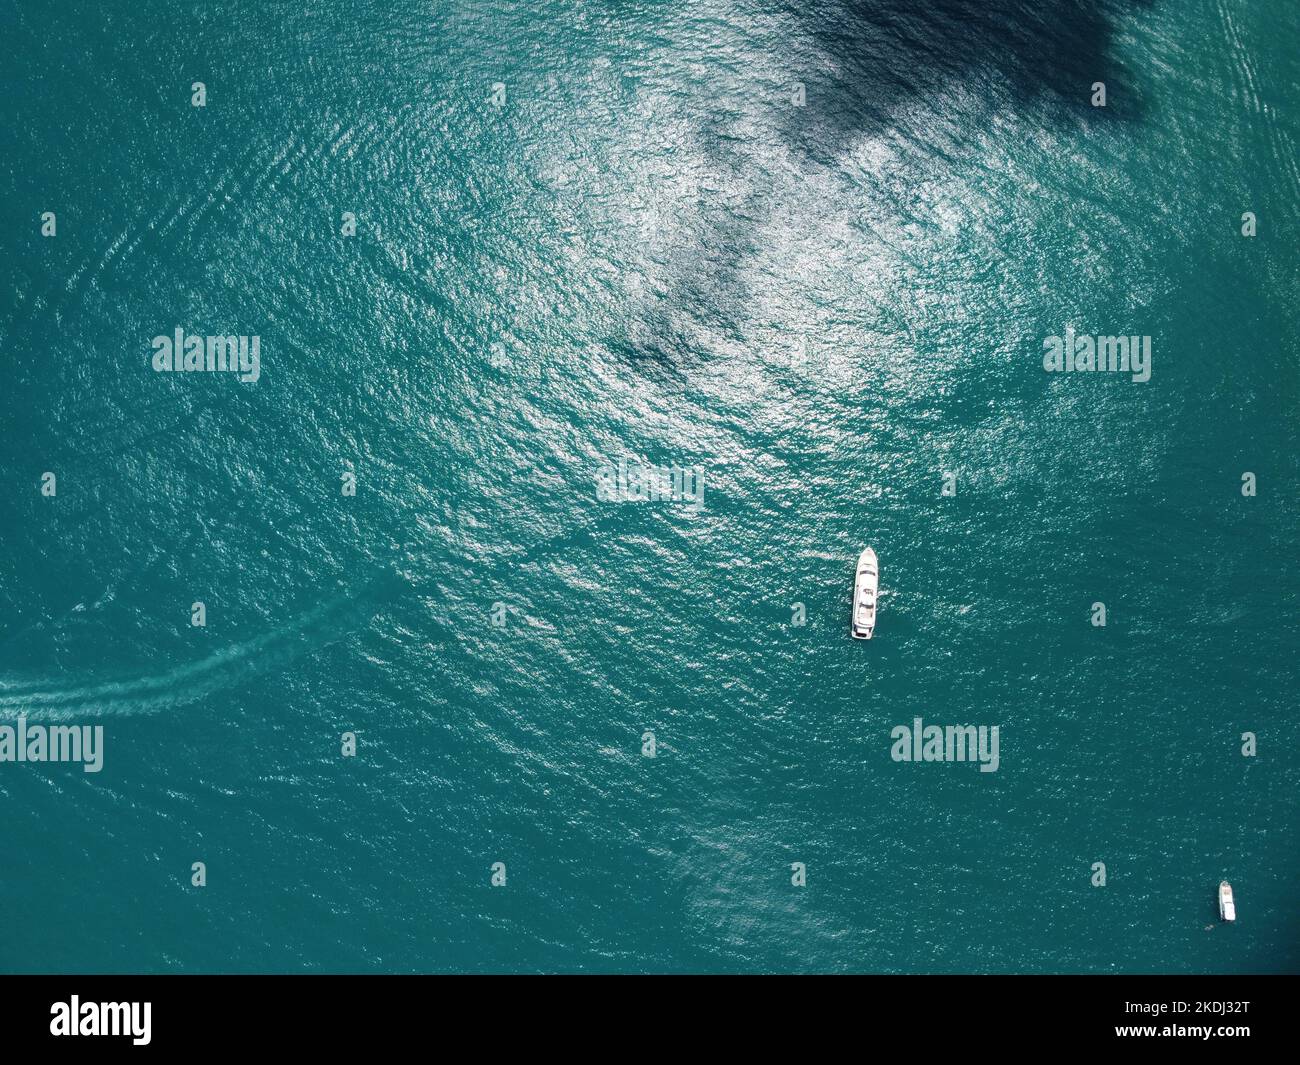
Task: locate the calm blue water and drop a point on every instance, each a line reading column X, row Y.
column 650, row 251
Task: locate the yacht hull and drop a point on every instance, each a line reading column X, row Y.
column 1227, row 907
column 862, row 624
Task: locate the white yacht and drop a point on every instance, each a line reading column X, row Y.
column 864, row 596
column 1227, row 910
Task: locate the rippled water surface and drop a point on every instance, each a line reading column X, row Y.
column 650, row 251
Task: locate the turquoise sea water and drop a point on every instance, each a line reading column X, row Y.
column 649, row 251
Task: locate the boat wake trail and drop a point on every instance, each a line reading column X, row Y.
column 191, row 682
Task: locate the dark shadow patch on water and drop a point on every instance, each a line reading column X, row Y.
column 877, row 56
column 863, row 62
column 653, row 349
column 656, row 350
column 698, row 288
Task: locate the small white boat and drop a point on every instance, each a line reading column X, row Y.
column 864, row 596
column 1227, row 910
